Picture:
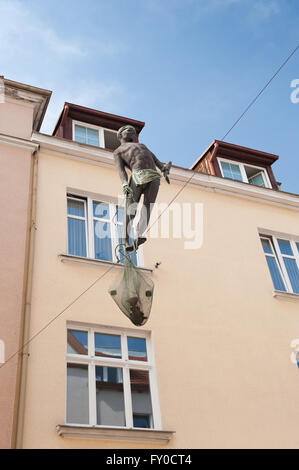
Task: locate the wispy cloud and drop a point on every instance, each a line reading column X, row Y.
column 104, row 96
column 158, row 7
column 34, row 50
column 262, row 9
column 22, row 30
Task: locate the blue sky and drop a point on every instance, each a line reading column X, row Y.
column 188, row 68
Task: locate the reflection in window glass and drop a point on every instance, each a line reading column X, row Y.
column 75, row 207
column 102, row 241
column 275, row 273
column 285, row 247
column 92, row 137
column 77, row 342
column 86, row 135
column 76, row 237
column 101, row 210
column 141, row 397
column 107, row 345
column 231, row 171
column 110, row 396
column 141, row 421
column 121, row 249
column 137, row 349
column 293, row 272
column 80, row 134
column 258, row 180
column 266, row 245
column 77, row 394
column 120, row 214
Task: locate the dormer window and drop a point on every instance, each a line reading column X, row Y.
column 226, row 160
column 95, row 135
column 244, row 172
column 86, row 135
column 92, row 127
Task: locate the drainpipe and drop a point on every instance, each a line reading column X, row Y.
column 25, row 329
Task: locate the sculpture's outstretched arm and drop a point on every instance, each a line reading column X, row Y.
column 158, row 164
column 164, row 167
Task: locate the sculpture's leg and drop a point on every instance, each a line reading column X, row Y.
column 131, row 208
column 150, row 196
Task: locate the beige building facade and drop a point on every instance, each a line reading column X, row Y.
column 22, row 108
column 214, row 366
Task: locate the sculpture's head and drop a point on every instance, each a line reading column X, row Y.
column 127, row 134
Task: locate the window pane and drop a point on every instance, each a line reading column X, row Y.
column 75, row 207
column 110, row 396
column 80, row 134
column 275, row 274
column 266, row 245
column 76, row 237
column 77, row 394
column 137, row 349
column 257, row 180
column 141, row 421
column 92, row 137
column 101, row 210
column 107, row 345
column 102, row 241
column 141, row 398
column 111, row 140
column 285, row 247
column 121, row 250
column 231, row 171
column 293, row 273
column 77, row 342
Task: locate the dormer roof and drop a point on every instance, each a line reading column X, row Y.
column 95, row 117
column 208, row 162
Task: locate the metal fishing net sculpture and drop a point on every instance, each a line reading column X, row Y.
column 132, row 291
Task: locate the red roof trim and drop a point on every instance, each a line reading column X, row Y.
column 227, row 145
column 78, row 112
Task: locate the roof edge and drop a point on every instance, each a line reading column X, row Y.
column 229, row 145
column 38, row 97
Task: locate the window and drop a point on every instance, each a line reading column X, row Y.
column 87, row 135
column 282, row 257
column 245, row 173
column 94, row 135
column 95, row 229
column 110, row 379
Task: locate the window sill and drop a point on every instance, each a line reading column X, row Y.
column 114, row 434
column 286, row 296
column 95, row 262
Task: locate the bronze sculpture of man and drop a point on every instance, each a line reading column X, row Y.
column 144, row 179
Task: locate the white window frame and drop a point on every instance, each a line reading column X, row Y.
column 92, row 126
column 89, row 230
column 279, row 258
column 241, row 166
column 77, row 217
column 91, row 360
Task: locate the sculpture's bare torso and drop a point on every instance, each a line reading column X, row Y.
column 135, row 156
